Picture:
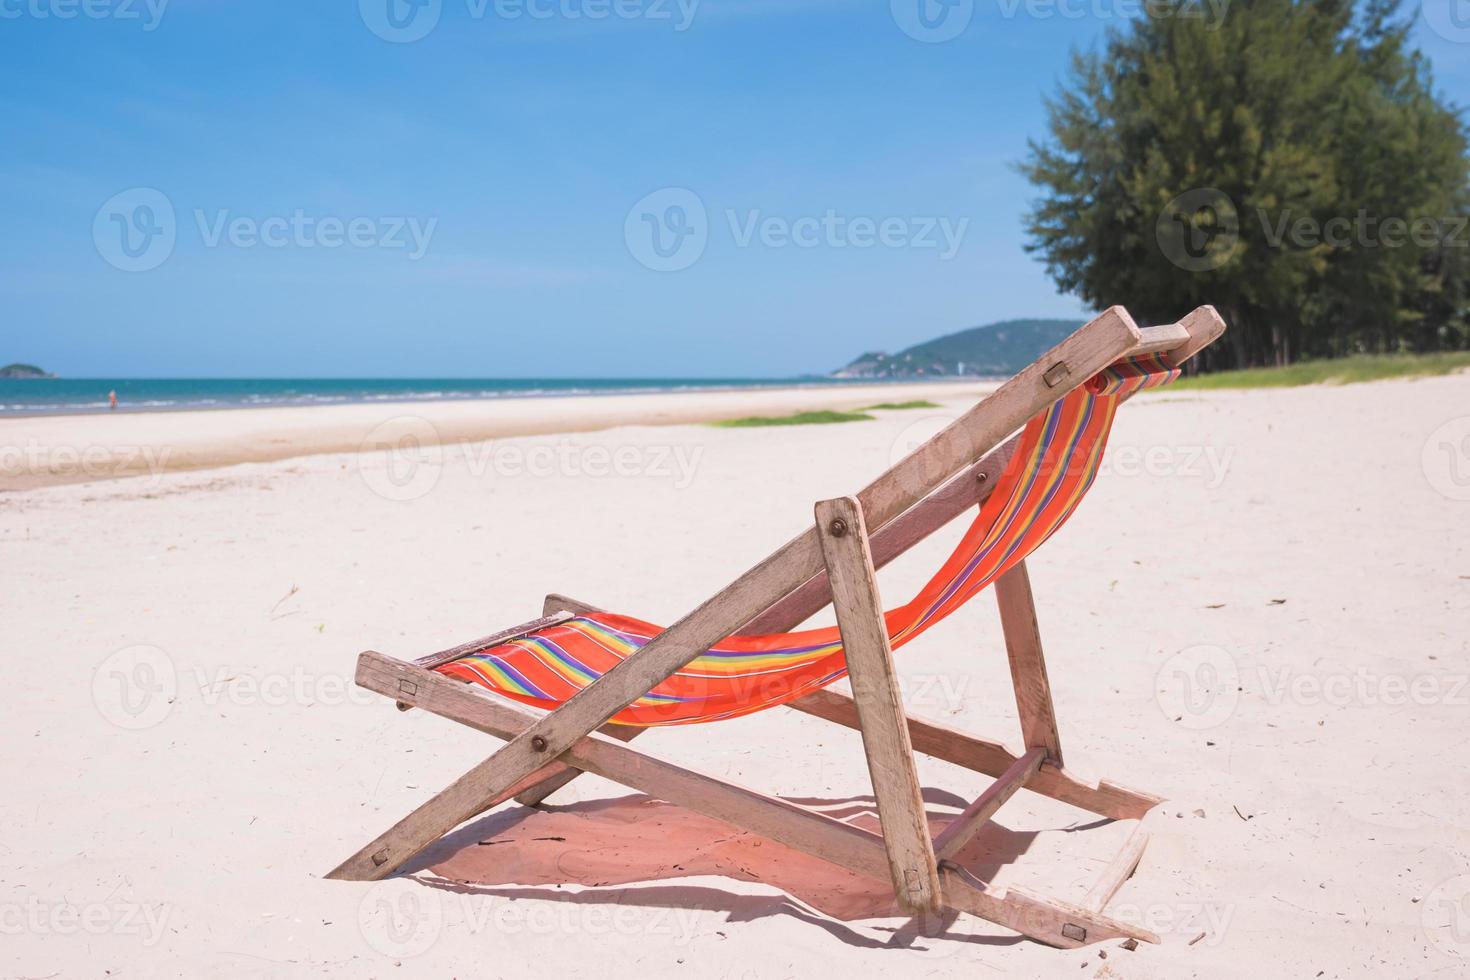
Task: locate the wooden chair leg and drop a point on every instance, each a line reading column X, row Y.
column 880, row 705
column 1028, row 666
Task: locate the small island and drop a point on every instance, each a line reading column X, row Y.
column 23, row 371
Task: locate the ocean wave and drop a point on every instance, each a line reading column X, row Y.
column 71, row 396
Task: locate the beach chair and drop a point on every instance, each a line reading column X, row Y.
column 606, row 678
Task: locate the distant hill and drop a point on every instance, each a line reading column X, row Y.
column 994, row 350
column 23, row 371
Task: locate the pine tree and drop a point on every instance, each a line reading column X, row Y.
column 1251, row 161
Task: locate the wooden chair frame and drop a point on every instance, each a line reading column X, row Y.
column 833, row 562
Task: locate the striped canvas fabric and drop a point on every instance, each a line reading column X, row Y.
column 1052, row 468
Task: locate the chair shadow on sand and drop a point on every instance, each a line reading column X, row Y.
column 617, row 849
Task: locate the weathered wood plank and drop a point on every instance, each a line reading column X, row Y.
column 1152, row 340
column 1119, row 869
column 1028, row 665
column 537, row 790
column 1106, row 799
column 969, row 488
column 964, row 827
column 1204, row 327
column 879, row 703
column 494, row 639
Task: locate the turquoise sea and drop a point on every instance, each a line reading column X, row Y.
column 50, row 396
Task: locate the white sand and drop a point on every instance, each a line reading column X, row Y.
column 55, row 449
column 179, row 822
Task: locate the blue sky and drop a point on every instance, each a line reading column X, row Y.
column 481, row 201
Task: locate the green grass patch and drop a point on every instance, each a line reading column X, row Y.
column 800, row 418
column 898, row 406
column 1340, row 371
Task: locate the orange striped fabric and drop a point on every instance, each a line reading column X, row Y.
column 1052, row 468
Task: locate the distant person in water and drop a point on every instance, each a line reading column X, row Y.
column 112, row 400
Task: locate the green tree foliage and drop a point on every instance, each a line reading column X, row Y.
column 1286, row 160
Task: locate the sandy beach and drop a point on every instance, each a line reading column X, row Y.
column 1259, row 614
column 55, row 449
